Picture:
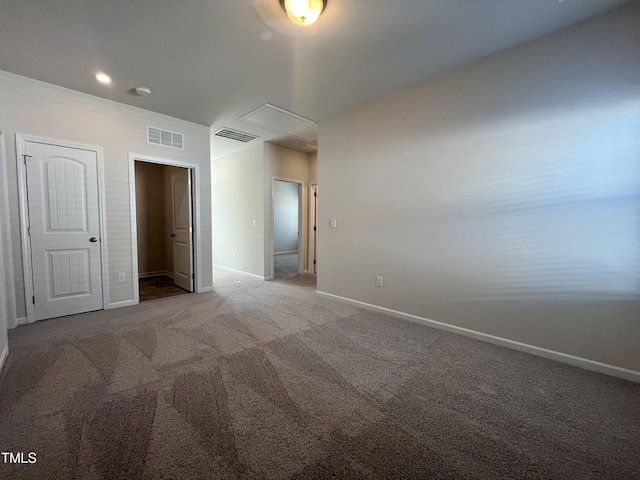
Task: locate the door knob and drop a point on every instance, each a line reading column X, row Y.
column 172, row 235
column 93, row 239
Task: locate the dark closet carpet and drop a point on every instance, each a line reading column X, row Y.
column 265, row 380
column 161, row 286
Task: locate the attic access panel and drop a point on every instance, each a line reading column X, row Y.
column 280, row 120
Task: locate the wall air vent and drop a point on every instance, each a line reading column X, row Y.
column 235, row 135
column 157, row 136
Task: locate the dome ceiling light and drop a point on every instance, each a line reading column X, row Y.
column 303, row 12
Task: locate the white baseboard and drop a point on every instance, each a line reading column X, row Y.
column 18, row 321
column 3, row 357
column 124, row 303
column 285, row 253
column 156, row 274
column 580, row 362
column 240, row 272
column 205, row 289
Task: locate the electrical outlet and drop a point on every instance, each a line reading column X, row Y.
column 255, row 223
column 122, row 277
column 379, row 281
column 333, row 223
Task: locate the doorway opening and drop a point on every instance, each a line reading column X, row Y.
column 287, row 224
column 164, row 230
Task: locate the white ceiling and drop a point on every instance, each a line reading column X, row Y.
column 205, row 62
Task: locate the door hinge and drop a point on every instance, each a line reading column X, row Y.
column 25, row 156
column 314, row 262
column 314, row 228
column 315, row 194
column 33, row 299
column 193, row 276
column 29, row 231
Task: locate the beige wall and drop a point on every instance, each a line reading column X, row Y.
column 31, row 107
column 502, row 197
column 150, row 218
column 313, row 167
column 243, row 192
column 237, row 202
column 287, row 164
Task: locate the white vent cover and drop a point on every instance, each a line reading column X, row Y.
column 235, row 135
column 157, row 136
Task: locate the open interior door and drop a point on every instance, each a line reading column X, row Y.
column 183, row 273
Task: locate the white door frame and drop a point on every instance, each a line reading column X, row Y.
column 7, row 252
column 301, row 188
column 312, row 237
column 21, row 144
column 197, row 246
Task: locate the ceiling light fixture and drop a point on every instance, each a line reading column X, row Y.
column 303, row 12
column 103, row 78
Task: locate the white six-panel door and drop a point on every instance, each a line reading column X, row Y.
column 182, row 229
column 64, row 229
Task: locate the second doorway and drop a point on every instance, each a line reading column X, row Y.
column 164, row 230
column 287, row 251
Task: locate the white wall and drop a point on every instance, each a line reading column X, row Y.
column 4, row 342
column 502, row 197
column 4, row 298
column 285, row 217
column 237, row 202
column 7, row 304
column 31, row 107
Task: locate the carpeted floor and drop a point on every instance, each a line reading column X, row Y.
column 285, row 266
column 264, row 380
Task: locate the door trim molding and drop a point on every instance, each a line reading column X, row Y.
column 301, row 225
column 7, row 244
column 3, row 357
column 312, row 243
column 21, row 143
column 197, row 247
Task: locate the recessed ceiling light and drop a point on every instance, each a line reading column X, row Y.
column 103, row 78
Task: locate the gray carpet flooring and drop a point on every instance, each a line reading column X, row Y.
column 285, row 266
column 265, row 380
